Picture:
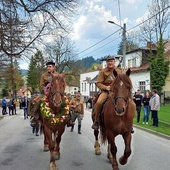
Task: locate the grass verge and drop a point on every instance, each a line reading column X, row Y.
column 164, row 121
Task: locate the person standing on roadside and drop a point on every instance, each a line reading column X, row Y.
column 25, row 107
column 14, row 106
column 138, row 101
column 155, row 107
column 9, row 105
column 4, row 105
column 145, row 102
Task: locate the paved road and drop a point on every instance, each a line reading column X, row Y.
column 21, row 150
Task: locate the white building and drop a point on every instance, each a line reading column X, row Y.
column 71, row 89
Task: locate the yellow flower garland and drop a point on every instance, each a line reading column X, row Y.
column 48, row 114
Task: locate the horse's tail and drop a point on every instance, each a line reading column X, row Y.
column 103, row 133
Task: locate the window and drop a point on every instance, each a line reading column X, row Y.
column 134, row 62
column 85, row 87
column 129, row 65
column 82, row 87
column 142, row 86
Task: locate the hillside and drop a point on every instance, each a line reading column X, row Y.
column 24, row 72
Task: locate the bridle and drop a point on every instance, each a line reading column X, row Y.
column 114, row 99
column 53, row 93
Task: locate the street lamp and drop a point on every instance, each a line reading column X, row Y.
column 124, row 41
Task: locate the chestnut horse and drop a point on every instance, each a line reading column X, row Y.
column 118, row 113
column 52, row 120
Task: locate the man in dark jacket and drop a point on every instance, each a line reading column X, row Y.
column 138, row 101
column 24, row 104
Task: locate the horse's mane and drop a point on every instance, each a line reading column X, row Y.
column 124, row 78
column 60, row 78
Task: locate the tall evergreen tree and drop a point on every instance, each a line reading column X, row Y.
column 159, row 68
column 35, row 70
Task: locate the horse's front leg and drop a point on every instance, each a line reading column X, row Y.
column 97, row 145
column 127, row 152
column 46, row 146
column 58, row 140
column 113, row 149
column 109, row 154
column 51, row 144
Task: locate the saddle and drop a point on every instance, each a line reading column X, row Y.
column 96, row 96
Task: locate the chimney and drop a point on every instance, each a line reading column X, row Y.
column 149, row 44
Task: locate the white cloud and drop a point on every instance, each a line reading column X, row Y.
column 77, row 28
column 131, row 1
column 23, row 65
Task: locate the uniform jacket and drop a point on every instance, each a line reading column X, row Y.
column 79, row 105
column 105, row 78
column 155, row 102
column 45, row 79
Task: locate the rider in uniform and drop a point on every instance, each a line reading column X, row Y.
column 44, row 85
column 46, row 77
column 76, row 104
column 104, row 80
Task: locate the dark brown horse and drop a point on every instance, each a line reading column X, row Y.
column 118, row 114
column 54, row 117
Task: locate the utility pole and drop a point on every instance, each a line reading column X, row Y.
column 124, row 46
column 123, row 40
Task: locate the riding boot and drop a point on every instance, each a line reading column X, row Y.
column 72, row 127
column 79, row 129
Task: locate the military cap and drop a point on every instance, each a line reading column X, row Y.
column 110, row 58
column 50, row 63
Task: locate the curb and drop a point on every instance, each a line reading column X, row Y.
column 152, row 131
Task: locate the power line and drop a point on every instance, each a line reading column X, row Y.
column 119, row 30
column 99, row 42
column 149, row 18
column 100, row 47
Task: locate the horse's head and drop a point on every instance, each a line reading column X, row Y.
column 122, row 91
column 57, row 88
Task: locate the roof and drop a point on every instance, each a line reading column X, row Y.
column 167, row 46
column 94, row 79
column 140, row 49
column 143, row 67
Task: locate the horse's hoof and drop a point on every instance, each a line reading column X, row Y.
column 57, row 157
column 115, row 168
column 97, row 151
column 46, row 149
column 53, row 166
column 122, row 160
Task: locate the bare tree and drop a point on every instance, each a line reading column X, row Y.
column 158, row 21
column 39, row 18
column 61, row 51
column 24, row 22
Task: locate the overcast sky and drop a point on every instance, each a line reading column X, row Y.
column 90, row 25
